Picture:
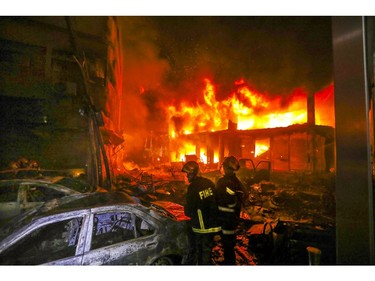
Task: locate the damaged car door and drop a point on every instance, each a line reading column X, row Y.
column 120, row 237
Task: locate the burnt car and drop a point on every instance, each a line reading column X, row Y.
column 250, row 173
column 19, row 195
column 96, row 229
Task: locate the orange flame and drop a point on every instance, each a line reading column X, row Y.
column 324, row 103
column 246, row 108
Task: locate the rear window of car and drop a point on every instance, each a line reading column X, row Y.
column 36, row 193
column 74, row 184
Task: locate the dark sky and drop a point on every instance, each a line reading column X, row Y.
column 273, row 54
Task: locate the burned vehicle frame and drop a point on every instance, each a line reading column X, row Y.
column 249, row 173
column 19, row 195
column 96, row 229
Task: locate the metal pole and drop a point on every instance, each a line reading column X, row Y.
column 354, row 191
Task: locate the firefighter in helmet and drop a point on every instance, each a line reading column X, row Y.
column 202, row 209
column 230, row 195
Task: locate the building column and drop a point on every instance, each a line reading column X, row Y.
column 354, row 191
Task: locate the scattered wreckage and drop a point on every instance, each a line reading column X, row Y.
column 281, row 219
column 290, row 217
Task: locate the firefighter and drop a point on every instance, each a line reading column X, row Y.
column 202, row 209
column 230, row 195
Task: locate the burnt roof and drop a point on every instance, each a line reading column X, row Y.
column 92, row 200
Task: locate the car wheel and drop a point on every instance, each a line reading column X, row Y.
column 163, row 261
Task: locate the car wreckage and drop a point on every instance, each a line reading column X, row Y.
column 97, row 229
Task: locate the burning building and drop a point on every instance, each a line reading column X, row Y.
column 251, row 125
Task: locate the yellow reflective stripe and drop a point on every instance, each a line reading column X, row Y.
column 232, row 205
column 202, row 229
column 225, row 209
column 200, row 218
column 230, row 191
column 228, row 231
column 209, row 230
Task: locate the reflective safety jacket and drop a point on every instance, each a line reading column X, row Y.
column 230, row 195
column 201, row 206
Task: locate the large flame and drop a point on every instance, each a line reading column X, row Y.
column 247, row 109
column 244, row 107
column 324, row 105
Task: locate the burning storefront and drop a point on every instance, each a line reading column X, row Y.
column 287, row 148
column 254, row 126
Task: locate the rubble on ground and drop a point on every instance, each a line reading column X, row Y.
column 300, row 215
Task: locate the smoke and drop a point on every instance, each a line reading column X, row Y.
column 275, row 55
column 141, row 76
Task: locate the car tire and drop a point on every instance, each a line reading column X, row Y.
column 163, row 261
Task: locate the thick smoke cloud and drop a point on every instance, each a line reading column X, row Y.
column 273, row 54
column 142, row 74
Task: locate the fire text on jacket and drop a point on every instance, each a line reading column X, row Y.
column 205, row 193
